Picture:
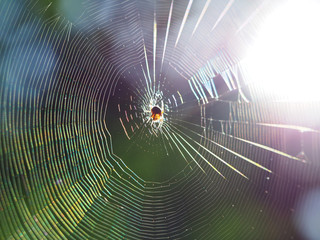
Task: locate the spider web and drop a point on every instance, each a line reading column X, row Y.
column 80, row 158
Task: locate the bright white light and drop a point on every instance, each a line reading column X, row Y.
column 285, row 59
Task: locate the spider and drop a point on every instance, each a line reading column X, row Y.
column 156, row 115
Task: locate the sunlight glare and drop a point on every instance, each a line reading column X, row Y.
column 285, row 58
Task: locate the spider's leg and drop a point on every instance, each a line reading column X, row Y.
column 160, row 123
